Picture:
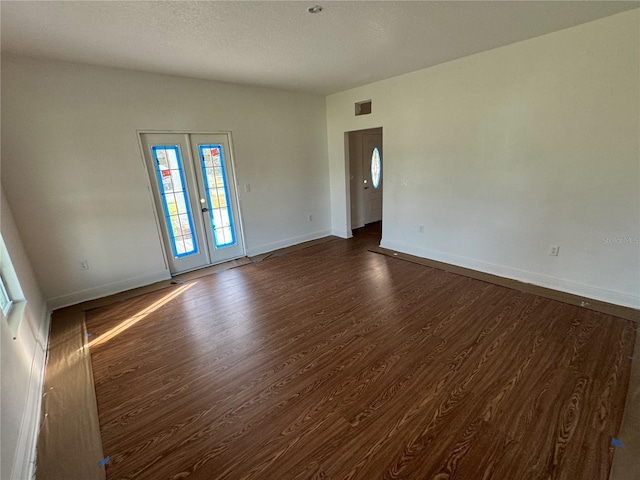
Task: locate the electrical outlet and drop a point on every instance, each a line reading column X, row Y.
column 247, row 188
column 553, row 250
column 310, row 218
column 84, row 264
column 421, row 228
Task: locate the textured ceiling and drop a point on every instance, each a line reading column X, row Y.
column 279, row 44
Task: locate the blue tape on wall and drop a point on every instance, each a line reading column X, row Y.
column 104, row 461
column 616, row 443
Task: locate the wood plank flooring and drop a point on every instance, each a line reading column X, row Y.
column 333, row 362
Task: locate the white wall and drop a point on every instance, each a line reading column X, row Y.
column 73, row 173
column 509, row 151
column 22, row 362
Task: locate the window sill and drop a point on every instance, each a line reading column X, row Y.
column 15, row 316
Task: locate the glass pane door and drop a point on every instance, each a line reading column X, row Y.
column 194, row 192
column 217, row 184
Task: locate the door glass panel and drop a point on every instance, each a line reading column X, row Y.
column 217, row 195
column 175, row 202
column 376, row 168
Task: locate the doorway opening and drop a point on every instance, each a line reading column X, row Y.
column 366, row 180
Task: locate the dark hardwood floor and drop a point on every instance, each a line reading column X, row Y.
column 333, row 362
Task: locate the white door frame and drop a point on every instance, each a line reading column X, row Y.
column 348, row 161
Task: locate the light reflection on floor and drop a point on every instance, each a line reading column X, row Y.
column 130, row 322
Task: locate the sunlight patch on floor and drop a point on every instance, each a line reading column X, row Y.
column 130, row 322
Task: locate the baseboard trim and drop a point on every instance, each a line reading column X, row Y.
column 25, row 457
column 612, row 303
column 288, row 242
column 106, row 290
column 169, row 283
column 342, row 233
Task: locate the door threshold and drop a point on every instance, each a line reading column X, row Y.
column 209, row 269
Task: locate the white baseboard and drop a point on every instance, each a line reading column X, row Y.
column 106, row 290
column 338, row 232
column 24, row 463
column 542, row 280
column 270, row 247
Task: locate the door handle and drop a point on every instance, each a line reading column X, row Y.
column 205, row 209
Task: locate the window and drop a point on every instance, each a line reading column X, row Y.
column 12, row 301
column 5, row 298
column 175, row 201
column 215, row 183
column 376, row 167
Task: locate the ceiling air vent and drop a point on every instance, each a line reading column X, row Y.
column 363, row 108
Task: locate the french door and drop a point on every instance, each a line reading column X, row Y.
column 194, row 190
